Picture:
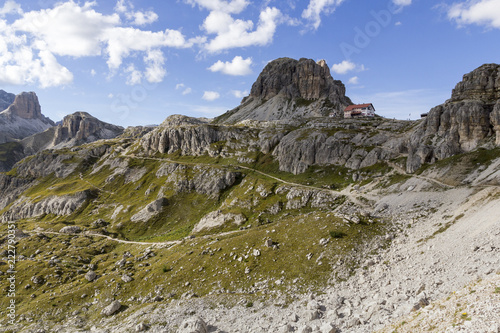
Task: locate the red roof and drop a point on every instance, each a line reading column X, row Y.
column 357, row 106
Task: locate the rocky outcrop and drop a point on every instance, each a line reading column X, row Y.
column 201, row 179
column 462, row 123
column 24, row 207
column 11, row 187
column 218, row 219
column 289, row 88
column 6, row 99
column 22, row 118
column 151, row 210
column 76, row 129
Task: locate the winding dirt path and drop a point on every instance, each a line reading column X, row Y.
column 108, row 237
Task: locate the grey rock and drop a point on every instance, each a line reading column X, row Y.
column 152, row 209
column 37, row 280
column 141, row 327
column 217, row 219
column 125, row 278
column 70, row 229
column 193, row 325
column 26, row 208
column 90, row 276
column 22, row 118
column 461, row 123
column 112, row 308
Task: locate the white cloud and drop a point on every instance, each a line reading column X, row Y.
column 402, row 3
column 78, row 30
column 10, row 7
column 238, row 66
column 122, row 6
column 316, row 8
column 155, row 72
column 186, row 91
column 346, row 66
column 232, row 7
column 93, row 72
column 143, row 18
column 232, row 33
column 210, row 95
column 135, row 18
column 134, row 77
column 239, row 93
column 353, row 80
column 398, row 23
column 480, row 12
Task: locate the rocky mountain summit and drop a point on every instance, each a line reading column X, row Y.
column 76, row 129
column 469, row 119
column 22, row 118
column 287, row 89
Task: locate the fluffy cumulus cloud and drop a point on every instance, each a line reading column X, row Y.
column 232, row 33
column 31, row 44
column 233, row 7
column 135, row 17
column 347, row 66
column 238, row 66
column 185, row 90
column 353, row 80
column 479, row 12
column 239, row 93
column 10, row 7
column 316, row 8
column 402, row 3
column 210, row 95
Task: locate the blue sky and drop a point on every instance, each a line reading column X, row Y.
column 133, row 62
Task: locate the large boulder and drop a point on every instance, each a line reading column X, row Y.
column 151, row 209
column 193, row 325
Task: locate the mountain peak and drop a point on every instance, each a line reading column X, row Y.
column 482, row 84
column 289, row 89
column 26, row 106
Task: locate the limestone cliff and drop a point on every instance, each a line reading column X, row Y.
column 22, row 118
column 76, row 129
column 290, row 89
column 470, row 118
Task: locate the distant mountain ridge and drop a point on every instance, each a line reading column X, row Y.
column 6, row 99
column 22, row 118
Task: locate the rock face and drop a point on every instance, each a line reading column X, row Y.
column 76, row 129
column 22, row 118
column 6, row 99
column 289, row 88
column 26, row 208
column 217, row 219
column 112, row 308
column 462, row 123
column 193, row 325
column 152, row 209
